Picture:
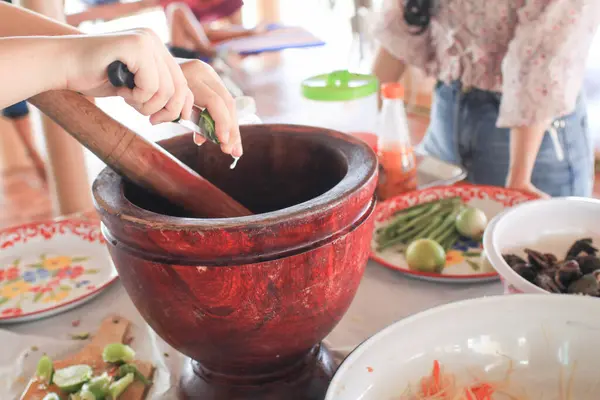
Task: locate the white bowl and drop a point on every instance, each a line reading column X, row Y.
column 549, row 226
column 542, row 335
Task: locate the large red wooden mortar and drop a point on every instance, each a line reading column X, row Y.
column 249, row 299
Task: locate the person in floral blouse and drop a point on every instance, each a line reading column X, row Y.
column 508, row 104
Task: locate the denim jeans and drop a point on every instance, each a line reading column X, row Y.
column 468, row 136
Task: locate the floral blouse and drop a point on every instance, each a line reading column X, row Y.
column 532, row 51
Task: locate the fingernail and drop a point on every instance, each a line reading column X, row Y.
column 199, row 139
column 238, row 151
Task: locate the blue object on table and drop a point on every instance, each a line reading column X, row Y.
column 289, row 38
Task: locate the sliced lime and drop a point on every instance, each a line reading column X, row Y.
column 71, row 379
column 97, row 386
column 117, row 388
column 51, row 396
column 117, row 353
column 85, row 394
column 44, row 370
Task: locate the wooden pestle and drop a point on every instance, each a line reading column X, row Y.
column 141, row 161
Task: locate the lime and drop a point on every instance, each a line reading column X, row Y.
column 97, row 386
column 117, row 353
column 71, row 379
column 425, row 255
column 45, row 369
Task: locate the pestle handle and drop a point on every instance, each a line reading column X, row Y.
column 143, row 162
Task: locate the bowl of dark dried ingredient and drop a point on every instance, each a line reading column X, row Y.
column 547, row 246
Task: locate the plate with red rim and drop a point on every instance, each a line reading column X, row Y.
column 463, row 263
column 50, row 267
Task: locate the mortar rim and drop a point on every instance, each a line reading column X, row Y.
column 330, row 200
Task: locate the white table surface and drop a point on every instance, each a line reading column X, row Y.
column 384, row 297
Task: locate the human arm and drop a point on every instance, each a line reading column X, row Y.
column 387, row 68
column 223, row 33
column 542, row 75
column 107, row 12
column 525, row 143
column 79, row 62
column 398, row 46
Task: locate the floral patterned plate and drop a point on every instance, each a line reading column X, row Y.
column 50, row 267
column 463, row 260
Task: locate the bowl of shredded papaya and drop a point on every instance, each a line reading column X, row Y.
column 529, row 346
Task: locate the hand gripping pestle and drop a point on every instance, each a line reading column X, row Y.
column 142, row 162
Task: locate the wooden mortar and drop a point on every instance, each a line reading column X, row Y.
column 249, row 299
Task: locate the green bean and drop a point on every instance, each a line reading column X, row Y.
column 117, row 353
column 421, row 219
column 411, row 212
column 118, row 387
column 418, row 211
column 416, row 207
column 447, row 224
column 403, row 238
column 447, row 233
column 45, row 369
column 132, row 369
column 430, row 227
column 450, row 241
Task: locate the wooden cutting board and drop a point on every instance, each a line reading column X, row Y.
column 113, row 330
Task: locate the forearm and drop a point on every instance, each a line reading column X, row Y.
column 222, row 34
column 109, row 12
column 387, row 68
column 35, row 65
column 525, row 144
column 15, row 21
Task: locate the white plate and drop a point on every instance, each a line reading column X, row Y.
column 462, row 262
column 548, row 340
column 50, row 267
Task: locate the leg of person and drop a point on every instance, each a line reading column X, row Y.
column 440, row 141
column 18, row 114
column 487, row 150
column 186, row 31
column 67, row 175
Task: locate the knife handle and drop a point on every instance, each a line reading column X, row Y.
column 119, row 75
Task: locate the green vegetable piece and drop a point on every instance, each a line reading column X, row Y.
column 132, row 369
column 51, row 396
column 83, row 395
column 207, row 125
column 97, row 386
column 45, row 369
column 118, row 353
column 117, row 388
column 71, row 379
